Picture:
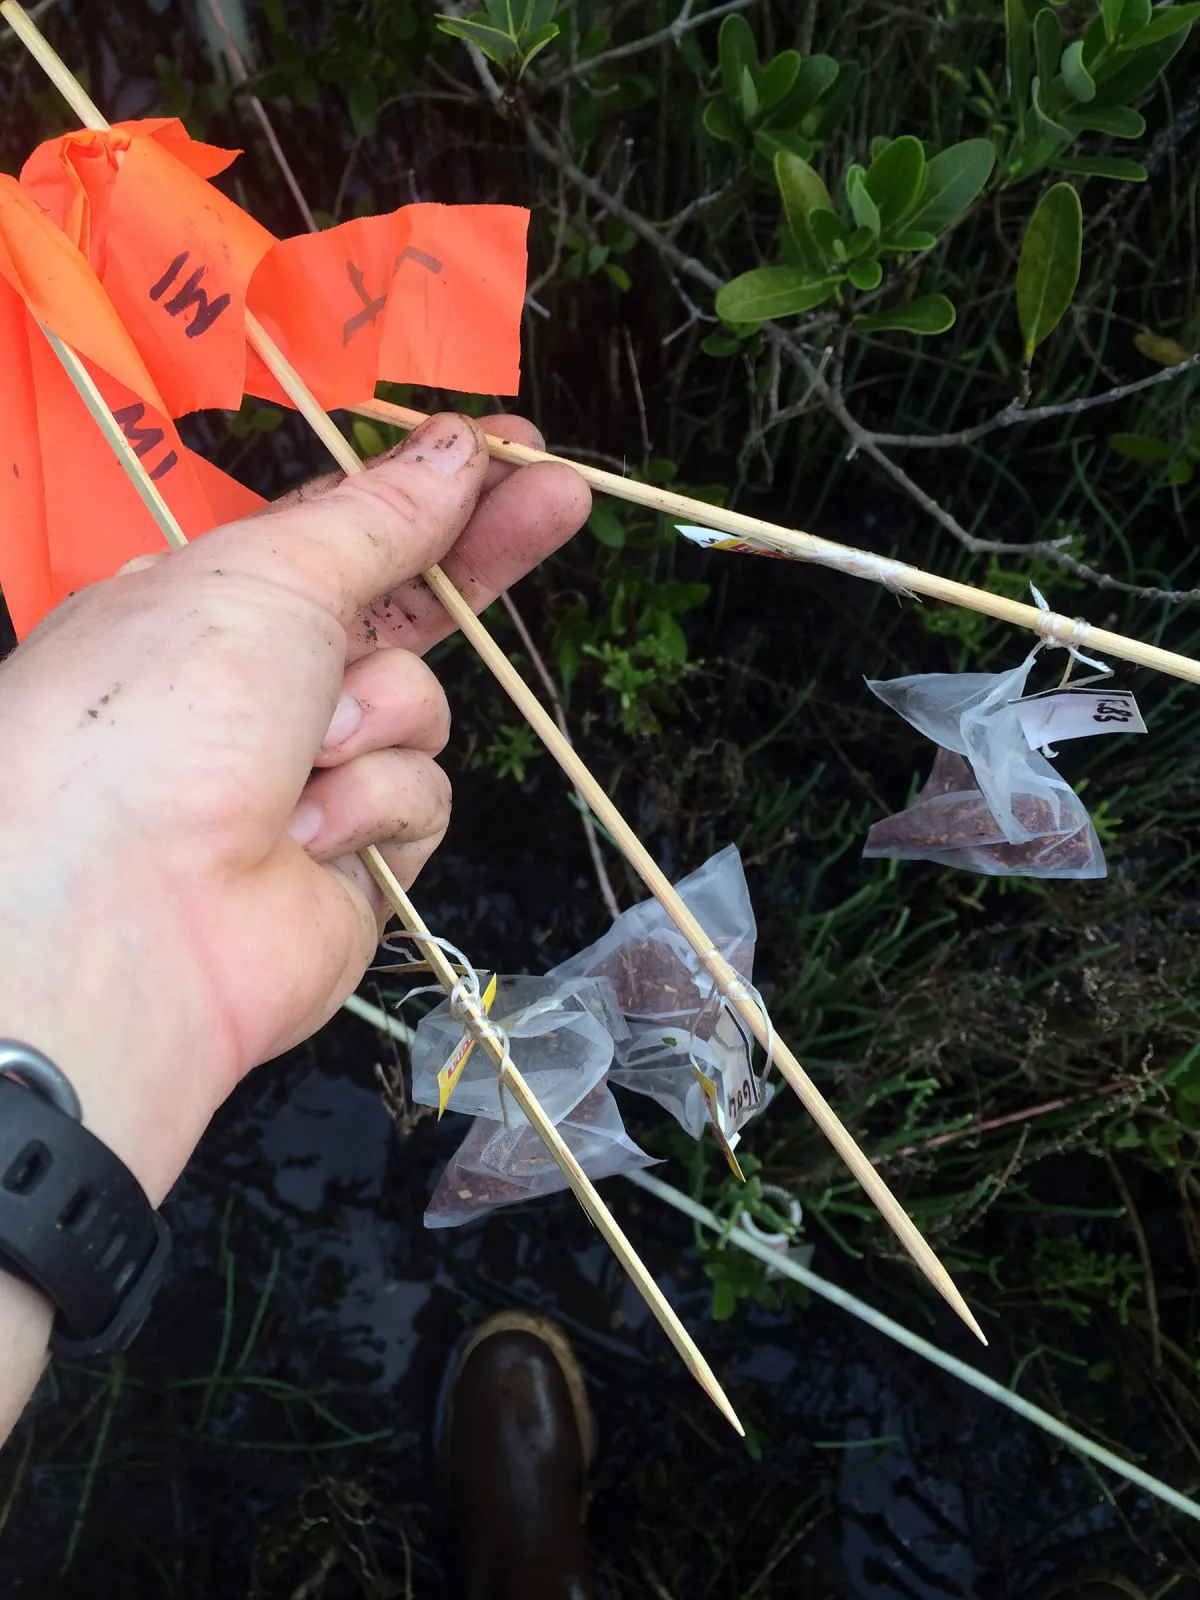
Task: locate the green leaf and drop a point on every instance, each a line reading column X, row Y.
column 803, row 192
column 748, row 95
column 912, row 239
column 724, row 1295
column 1135, row 14
column 275, row 15
column 497, row 46
column 1143, row 447
column 722, row 121
column 830, row 232
column 537, row 42
column 895, row 178
column 865, row 275
column 1016, row 31
column 860, row 242
column 836, row 103
column 720, row 344
column 769, row 142
column 363, row 101
column 1080, row 84
column 1041, row 119
column 772, row 292
column 1180, row 472
column 1130, row 74
column 1118, row 168
column 778, row 78
column 1110, row 16
column 1047, row 43
column 816, row 76
column 1164, row 21
column 1048, row 267
column 617, row 274
column 368, row 440
column 736, row 51
column 932, row 313
column 604, row 523
column 866, row 213
column 1119, row 122
column 955, row 177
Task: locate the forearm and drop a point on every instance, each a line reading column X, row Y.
column 25, row 1317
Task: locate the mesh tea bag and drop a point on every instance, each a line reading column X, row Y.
column 498, row 1166
column 991, row 804
column 665, row 992
column 560, row 1036
column 561, row 1032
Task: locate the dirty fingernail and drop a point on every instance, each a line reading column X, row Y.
column 347, row 715
column 445, row 442
column 306, row 821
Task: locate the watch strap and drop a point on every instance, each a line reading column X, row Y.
column 75, row 1222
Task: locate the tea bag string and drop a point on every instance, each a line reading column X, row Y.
column 466, row 1007
column 738, row 988
column 1080, row 629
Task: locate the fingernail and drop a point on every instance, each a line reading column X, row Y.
column 306, row 821
column 445, row 442
column 347, row 715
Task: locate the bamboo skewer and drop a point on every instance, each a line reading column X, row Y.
column 827, row 553
column 512, row 1079
column 726, row 979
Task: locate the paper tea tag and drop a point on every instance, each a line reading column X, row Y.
column 712, row 539
column 1078, row 714
column 447, row 1078
column 714, row 1099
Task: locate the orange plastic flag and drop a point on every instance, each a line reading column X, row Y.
column 68, row 514
column 174, row 255
column 429, row 294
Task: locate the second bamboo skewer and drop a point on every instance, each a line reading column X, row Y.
column 726, row 979
column 827, row 553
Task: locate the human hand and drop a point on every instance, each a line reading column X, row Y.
column 179, row 898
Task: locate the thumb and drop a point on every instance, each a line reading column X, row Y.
column 369, row 534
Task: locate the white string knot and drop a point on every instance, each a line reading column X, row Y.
column 1050, row 626
column 465, row 1002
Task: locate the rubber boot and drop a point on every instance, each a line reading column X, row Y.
column 518, row 1442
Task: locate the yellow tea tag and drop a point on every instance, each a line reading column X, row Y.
column 712, row 1098
column 448, row 1077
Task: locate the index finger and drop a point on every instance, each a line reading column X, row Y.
column 370, row 534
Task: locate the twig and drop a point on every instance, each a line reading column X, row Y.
column 1143, row 1250
column 238, row 67
column 974, row 1129
column 979, row 1381
column 585, row 811
column 671, row 34
column 637, row 394
column 1014, row 413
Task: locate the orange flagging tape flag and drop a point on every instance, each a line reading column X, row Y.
column 174, row 255
column 428, row 294
column 68, row 514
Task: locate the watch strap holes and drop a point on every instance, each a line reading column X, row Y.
column 29, row 1168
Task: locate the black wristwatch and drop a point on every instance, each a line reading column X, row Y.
column 74, row 1221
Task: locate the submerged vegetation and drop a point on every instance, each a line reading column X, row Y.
column 820, row 262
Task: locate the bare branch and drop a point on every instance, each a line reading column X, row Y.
column 671, row 34
column 1014, row 412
